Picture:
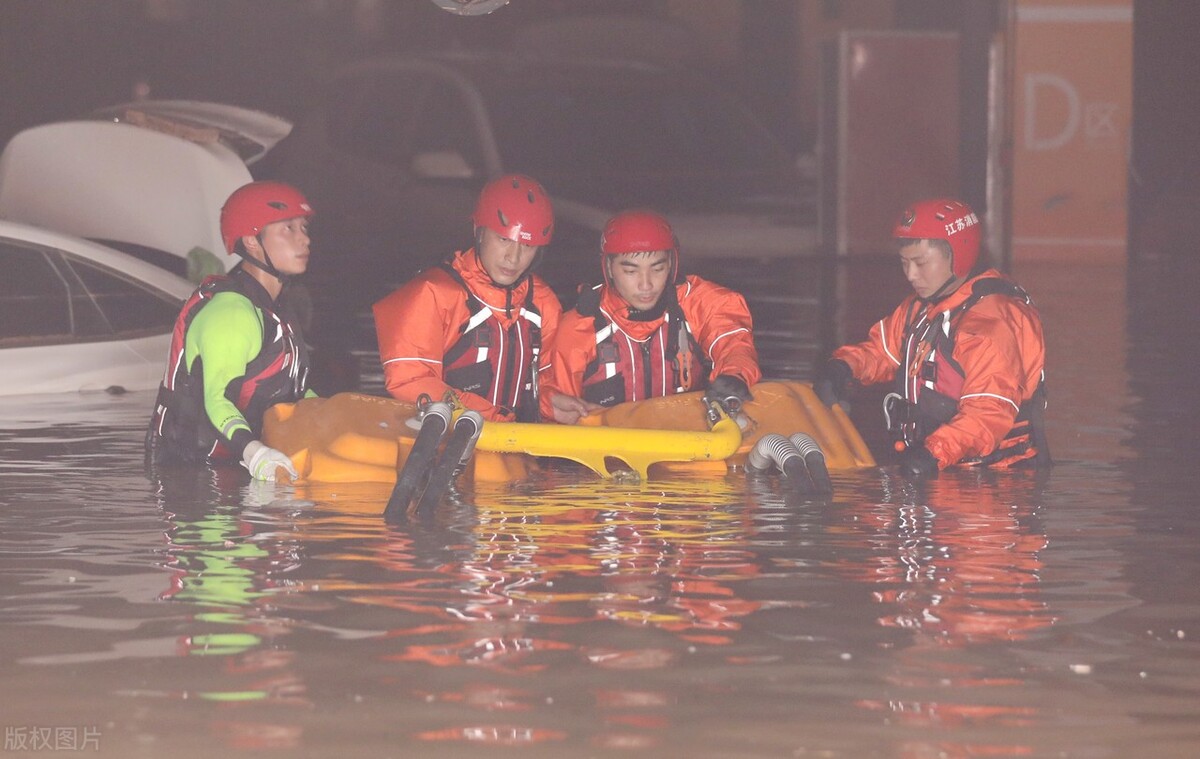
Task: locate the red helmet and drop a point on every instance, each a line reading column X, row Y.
column 944, row 219
column 253, row 206
column 517, row 208
column 639, row 231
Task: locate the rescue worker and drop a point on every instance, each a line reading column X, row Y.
column 647, row 330
column 238, row 348
column 476, row 323
column 965, row 353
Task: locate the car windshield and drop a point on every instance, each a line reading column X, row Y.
column 628, row 127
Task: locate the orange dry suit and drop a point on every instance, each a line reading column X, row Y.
column 969, row 373
column 453, row 327
column 604, row 355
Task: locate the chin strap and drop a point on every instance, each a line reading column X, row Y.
column 941, row 292
column 268, row 267
column 508, row 289
column 668, row 299
column 649, row 314
column 528, row 273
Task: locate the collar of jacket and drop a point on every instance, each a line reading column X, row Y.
column 963, row 292
column 615, row 307
column 466, row 263
column 254, row 287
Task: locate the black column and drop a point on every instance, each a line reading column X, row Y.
column 976, row 27
column 769, row 61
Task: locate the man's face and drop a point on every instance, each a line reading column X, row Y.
column 926, row 267
column 287, row 243
column 504, row 260
column 640, row 278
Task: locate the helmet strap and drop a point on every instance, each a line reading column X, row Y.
column 264, row 265
column 479, row 260
column 666, row 300
column 944, row 290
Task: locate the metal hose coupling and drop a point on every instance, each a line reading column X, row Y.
column 475, row 420
column 777, row 451
column 437, row 409
column 731, row 405
column 454, row 458
column 425, row 405
column 772, row 451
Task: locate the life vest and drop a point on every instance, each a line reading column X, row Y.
column 278, row 374
column 669, row 361
column 493, row 361
column 929, row 384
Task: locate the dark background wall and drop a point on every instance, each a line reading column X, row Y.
column 1166, row 96
column 59, row 58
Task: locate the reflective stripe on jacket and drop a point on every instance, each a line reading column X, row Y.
column 607, row 357
column 451, row 327
column 497, row 362
column 971, row 363
column 624, row 369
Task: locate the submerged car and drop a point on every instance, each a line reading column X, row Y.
column 148, row 178
column 79, row 316
column 397, row 150
column 133, row 193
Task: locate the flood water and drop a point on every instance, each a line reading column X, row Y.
column 1049, row 614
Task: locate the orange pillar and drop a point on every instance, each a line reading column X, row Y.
column 1072, row 100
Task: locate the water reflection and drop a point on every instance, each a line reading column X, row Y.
column 227, row 571
column 511, row 583
column 983, row 614
column 957, row 558
column 954, row 563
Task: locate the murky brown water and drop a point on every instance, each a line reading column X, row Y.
column 980, row 615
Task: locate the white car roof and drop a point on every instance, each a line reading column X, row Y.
column 152, row 275
column 249, row 133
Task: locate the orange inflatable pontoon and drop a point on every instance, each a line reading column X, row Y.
column 361, row 438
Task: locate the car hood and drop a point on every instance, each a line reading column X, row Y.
column 149, row 178
column 767, row 226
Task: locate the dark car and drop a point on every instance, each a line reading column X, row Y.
column 397, row 150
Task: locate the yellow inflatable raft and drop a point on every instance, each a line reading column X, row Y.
column 361, row 438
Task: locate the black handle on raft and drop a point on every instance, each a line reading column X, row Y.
column 799, row 458
column 457, row 453
column 797, row 474
column 814, row 461
column 416, row 467
column 774, row 451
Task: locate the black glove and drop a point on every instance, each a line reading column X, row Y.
column 730, row 391
column 832, row 381
column 729, row 386
column 917, row 463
